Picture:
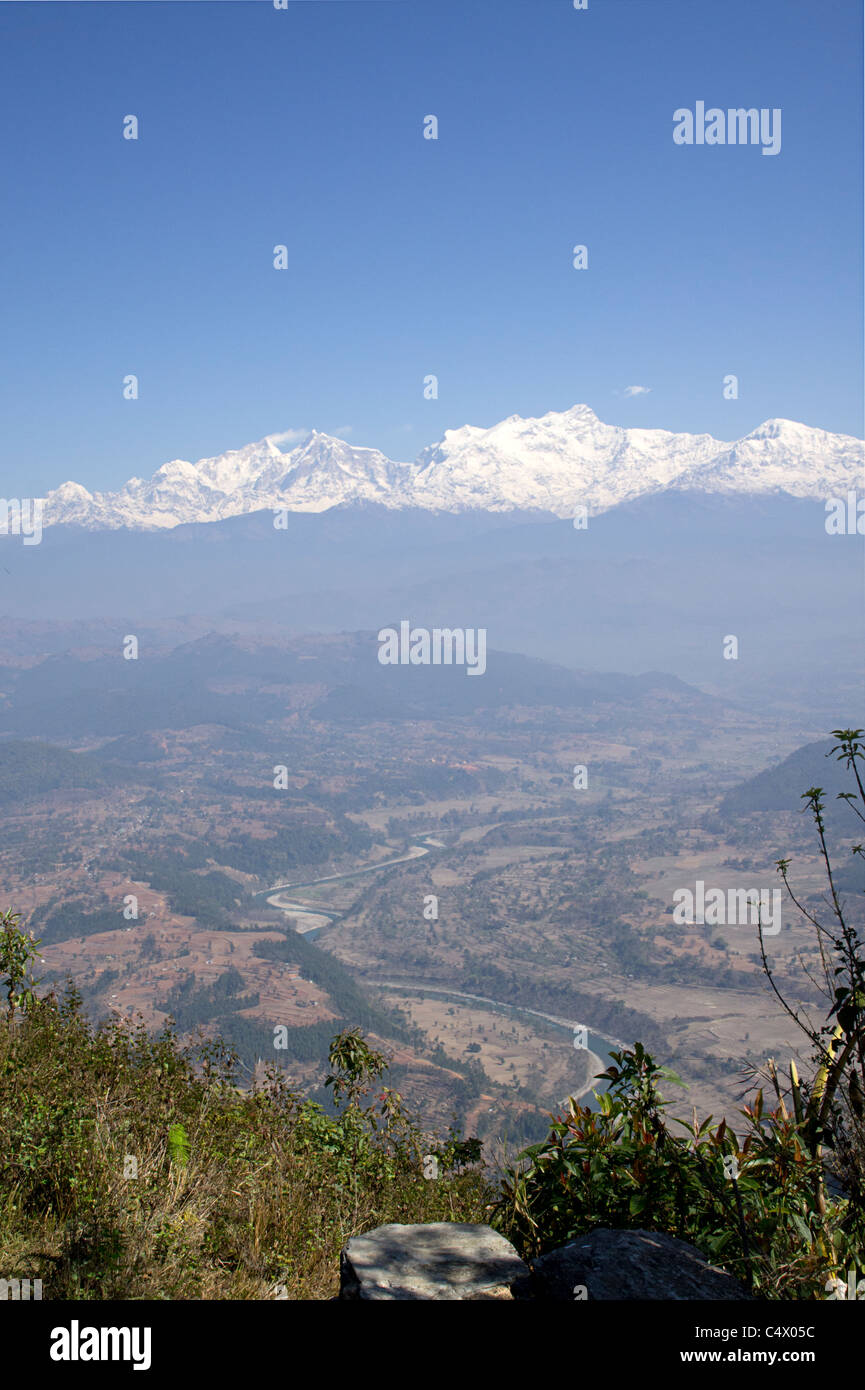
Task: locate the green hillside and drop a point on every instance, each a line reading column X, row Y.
column 780, row 788
column 29, row 768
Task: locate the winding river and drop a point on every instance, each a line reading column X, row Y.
column 312, row 918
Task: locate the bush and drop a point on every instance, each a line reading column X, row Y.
column 747, row 1206
column 132, row 1167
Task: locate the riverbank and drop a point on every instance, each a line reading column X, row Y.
column 312, row 918
column 598, row 1046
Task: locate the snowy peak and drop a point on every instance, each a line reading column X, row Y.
column 783, row 456
column 553, row 464
column 319, row 473
column 325, row 472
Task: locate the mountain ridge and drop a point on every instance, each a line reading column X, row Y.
column 552, row 464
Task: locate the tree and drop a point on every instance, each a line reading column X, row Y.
column 829, row 1111
column 18, row 950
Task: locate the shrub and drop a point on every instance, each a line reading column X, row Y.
column 132, row 1167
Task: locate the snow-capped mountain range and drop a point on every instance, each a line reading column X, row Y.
column 553, row 464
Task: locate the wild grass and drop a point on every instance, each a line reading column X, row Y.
column 132, row 1167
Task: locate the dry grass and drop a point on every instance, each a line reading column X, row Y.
column 97, row 1204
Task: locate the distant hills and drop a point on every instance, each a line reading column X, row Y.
column 551, row 465
column 654, row 584
column 76, row 696
column 780, row 788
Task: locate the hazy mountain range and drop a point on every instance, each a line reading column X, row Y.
column 690, row 540
column 550, row 465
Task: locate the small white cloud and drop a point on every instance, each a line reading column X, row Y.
column 637, row 390
column 346, row 429
column 289, row 436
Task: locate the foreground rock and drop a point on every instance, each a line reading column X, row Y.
column 442, row 1260
column 451, row 1260
column 629, row 1265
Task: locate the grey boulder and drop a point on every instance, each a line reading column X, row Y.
column 440, row 1260
column 629, row 1265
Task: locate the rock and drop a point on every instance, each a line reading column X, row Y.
column 628, row 1265
column 441, row 1260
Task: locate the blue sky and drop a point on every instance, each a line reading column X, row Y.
column 412, row 256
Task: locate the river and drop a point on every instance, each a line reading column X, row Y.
column 312, row 918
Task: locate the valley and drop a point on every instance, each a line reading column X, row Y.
column 424, row 867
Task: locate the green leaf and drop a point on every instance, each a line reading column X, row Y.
column 178, row 1145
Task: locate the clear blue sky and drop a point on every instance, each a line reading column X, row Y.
column 411, row 256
